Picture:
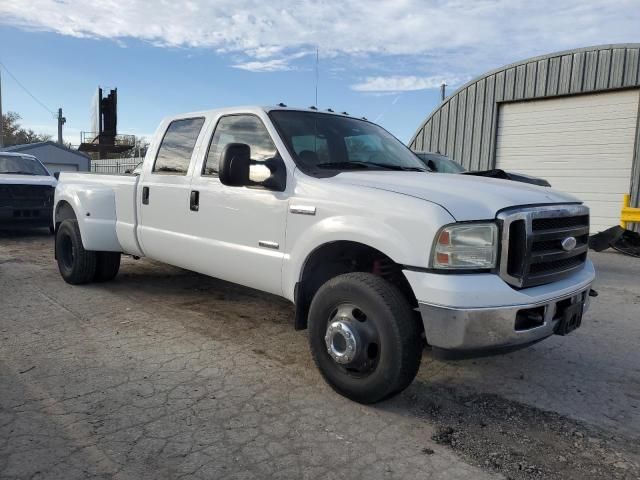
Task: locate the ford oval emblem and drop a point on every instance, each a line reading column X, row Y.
column 569, row 244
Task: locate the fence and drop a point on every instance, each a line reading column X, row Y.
column 114, row 165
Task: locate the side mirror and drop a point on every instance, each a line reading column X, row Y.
column 278, row 179
column 234, row 165
column 56, row 175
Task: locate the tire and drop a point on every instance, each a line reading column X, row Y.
column 387, row 360
column 77, row 265
column 107, row 266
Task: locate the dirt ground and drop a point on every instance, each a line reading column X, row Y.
column 168, row 374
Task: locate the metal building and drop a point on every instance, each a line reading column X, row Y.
column 570, row 117
column 56, row 157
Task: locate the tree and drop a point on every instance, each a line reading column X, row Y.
column 15, row 134
column 139, row 149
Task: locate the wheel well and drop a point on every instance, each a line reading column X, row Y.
column 64, row 211
column 336, row 258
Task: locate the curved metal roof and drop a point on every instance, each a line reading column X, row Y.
column 463, row 126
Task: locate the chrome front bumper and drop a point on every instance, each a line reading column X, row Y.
column 495, row 328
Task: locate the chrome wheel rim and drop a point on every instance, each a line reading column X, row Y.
column 352, row 339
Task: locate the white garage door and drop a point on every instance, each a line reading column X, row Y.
column 61, row 167
column 582, row 145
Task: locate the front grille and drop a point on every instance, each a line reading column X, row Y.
column 559, row 222
column 26, row 196
column 532, row 243
column 556, row 265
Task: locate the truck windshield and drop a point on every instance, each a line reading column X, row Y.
column 15, row 165
column 322, row 144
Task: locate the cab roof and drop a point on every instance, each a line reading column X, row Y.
column 263, row 108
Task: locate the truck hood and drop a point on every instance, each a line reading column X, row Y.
column 464, row 197
column 7, row 179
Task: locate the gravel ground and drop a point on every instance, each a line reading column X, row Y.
column 167, row 374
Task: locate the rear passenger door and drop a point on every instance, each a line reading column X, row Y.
column 164, row 192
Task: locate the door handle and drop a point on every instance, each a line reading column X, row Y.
column 194, row 201
column 145, row 195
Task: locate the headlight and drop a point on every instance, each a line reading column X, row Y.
column 466, row 246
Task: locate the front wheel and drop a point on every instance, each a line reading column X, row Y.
column 364, row 337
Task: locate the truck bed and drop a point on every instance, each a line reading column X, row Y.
column 109, row 204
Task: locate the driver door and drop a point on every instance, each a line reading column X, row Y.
column 240, row 231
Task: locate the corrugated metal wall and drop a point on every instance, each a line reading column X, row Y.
column 463, row 127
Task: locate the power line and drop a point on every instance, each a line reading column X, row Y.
column 317, row 74
column 27, row 90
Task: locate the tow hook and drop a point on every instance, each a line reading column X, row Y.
column 593, row 293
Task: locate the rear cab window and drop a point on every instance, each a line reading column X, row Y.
column 176, row 148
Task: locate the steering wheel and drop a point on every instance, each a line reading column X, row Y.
column 308, row 158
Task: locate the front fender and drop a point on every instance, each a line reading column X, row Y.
column 406, row 241
column 95, row 210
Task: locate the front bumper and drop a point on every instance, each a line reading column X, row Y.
column 474, row 321
column 480, row 330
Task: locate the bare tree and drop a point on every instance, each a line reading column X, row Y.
column 15, row 134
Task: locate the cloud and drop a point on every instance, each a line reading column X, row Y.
column 397, row 83
column 280, row 64
column 273, row 65
column 426, row 35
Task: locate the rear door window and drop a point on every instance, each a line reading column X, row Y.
column 174, row 154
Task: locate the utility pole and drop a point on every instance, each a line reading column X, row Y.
column 1, row 117
column 61, row 121
column 443, row 89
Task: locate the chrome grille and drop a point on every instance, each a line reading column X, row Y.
column 532, row 252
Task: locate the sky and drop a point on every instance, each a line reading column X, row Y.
column 384, row 60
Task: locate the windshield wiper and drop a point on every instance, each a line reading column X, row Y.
column 352, row 164
column 399, row 167
column 356, row 164
column 17, row 173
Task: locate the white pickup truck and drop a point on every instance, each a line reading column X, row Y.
column 380, row 256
